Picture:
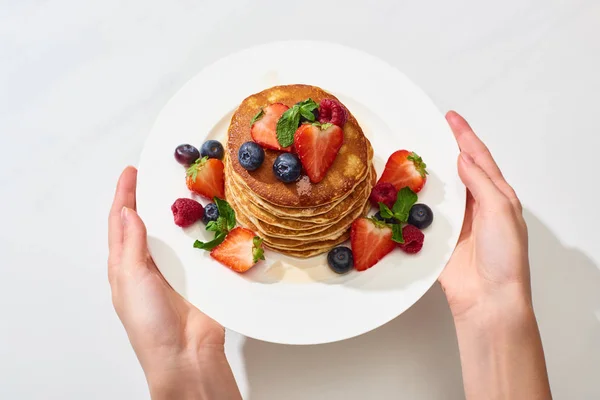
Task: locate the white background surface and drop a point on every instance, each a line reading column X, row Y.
column 82, row 81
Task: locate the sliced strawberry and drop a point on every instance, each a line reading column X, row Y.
column 371, row 241
column 317, row 146
column 264, row 129
column 240, row 250
column 205, row 177
column 405, row 168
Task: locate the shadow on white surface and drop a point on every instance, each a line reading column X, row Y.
column 413, row 356
column 567, row 303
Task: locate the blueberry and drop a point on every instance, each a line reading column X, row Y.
column 340, row 260
column 251, row 156
column 211, row 213
column 186, row 154
column 287, row 167
column 386, row 220
column 212, row 149
column 420, row 216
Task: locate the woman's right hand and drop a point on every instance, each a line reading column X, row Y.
column 487, row 283
column 491, row 257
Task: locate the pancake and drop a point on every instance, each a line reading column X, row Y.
column 300, row 214
column 348, row 169
column 308, row 223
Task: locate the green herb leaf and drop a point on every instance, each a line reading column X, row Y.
column 404, row 201
column 397, row 233
column 307, row 114
column 287, row 126
column 308, row 104
column 226, row 212
column 258, row 116
column 192, row 171
column 385, row 211
column 220, row 225
column 219, row 237
column 258, row 252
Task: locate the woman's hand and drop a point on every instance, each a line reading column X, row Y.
column 487, row 283
column 491, row 256
column 180, row 349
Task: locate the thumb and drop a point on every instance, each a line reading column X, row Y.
column 135, row 246
column 476, row 180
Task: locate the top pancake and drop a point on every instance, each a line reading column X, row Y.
column 348, row 169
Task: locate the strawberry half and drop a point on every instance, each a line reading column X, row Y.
column 405, row 168
column 264, row 127
column 317, row 146
column 240, row 250
column 371, row 241
column 205, row 177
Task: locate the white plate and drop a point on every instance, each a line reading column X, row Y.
column 287, row 300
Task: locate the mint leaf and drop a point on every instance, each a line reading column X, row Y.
column 225, row 212
column 307, row 114
column 404, row 201
column 308, row 105
column 257, row 251
column 258, row 116
column 385, row 211
column 397, row 233
column 287, row 126
column 219, row 237
column 220, row 225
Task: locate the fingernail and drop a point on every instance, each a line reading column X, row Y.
column 124, row 212
column 466, row 158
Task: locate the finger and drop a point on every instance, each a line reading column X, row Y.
column 135, row 244
column 480, row 185
column 471, row 144
column 124, row 197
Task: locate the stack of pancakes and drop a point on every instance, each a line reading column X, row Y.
column 300, row 219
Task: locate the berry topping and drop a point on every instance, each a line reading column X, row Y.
column 240, row 250
column 371, row 241
column 378, row 217
column 251, row 156
column 420, row 215
column 290, row 120
column 205, row 177
column 405, row 169
column 212, row 149
column 317, row 146
column 383, row 192
column 287, row 167
column 186, row 212
column 413, row 239
column 186, row 154
column 264, row 126
column 211, row 213
column 340, row 260
column 332, row 111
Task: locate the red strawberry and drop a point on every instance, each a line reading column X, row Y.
column 205, row 177
column 370, row 241
column 317, row 146
column 405, row 168
column 264, row 129
column 240, row 250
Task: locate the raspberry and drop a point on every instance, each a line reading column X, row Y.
column 333, row 112
column 413, row 239
column 186, row 212
column 385, row 193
